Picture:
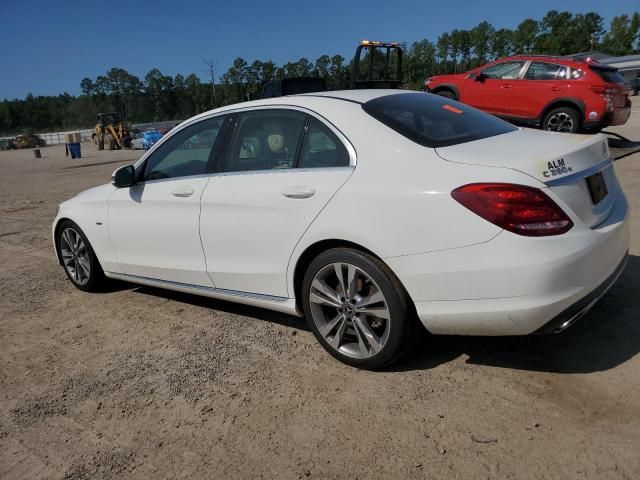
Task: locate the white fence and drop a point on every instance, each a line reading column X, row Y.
column 57, row 138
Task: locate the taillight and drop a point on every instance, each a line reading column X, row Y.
column 607, row 94
column 517, row 208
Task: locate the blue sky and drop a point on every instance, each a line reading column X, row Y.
column 48, row 47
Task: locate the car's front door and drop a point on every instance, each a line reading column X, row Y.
column 542, row 83
column 154, row 224
column 283, row 166
column 490, row 90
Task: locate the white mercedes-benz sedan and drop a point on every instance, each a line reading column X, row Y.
column 363, row 211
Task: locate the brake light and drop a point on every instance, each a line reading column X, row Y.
column 606, row 93
column 520, row 209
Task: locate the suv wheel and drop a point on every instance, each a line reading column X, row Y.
column 357, row 308
column 447, row 94
column 562, row 119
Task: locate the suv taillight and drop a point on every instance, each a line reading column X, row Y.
column 520, row 209
column 606, row 93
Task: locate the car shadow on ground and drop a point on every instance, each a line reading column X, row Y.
column 604, row 338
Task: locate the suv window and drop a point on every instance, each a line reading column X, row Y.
column 609, row 75
column 266, row 140
column 434, row 121
column 185, row 153
column 504, row 70
column 321, row 148
column 546, row 71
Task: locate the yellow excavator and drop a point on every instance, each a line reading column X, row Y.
column 111, row 132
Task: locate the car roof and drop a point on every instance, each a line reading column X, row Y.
column 350, row 96
column 545, row 58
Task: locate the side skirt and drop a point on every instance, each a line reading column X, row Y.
column 270, row 302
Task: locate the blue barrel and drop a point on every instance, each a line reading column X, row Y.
column 74, row 150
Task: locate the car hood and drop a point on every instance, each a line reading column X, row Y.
column 94, row 194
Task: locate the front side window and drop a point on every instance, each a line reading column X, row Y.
column 266, row 140
column 434, row 121
column 185, row 153
column 322, row 148
column 503, row 71
column 546, row 71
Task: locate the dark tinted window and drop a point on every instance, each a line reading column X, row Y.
column 546, row 71
column 434, row 121
column 321, row 148
column 609, row 75
column 266, row 140
column 185, row 153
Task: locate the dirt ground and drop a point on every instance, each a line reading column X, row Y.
column 143, row 383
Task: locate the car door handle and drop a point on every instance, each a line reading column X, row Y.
column 507, row 85
column 299, row 191
column 555, row 89
column 183, row 191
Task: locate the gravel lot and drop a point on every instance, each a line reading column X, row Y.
column 143, row 383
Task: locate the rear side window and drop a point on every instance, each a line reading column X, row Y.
column 434, row 121
column 266, row 140
column 609, row 75
column 546, row 71
column 321, row 148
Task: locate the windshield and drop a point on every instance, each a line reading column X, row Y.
column 434, row 121
column 609, row 75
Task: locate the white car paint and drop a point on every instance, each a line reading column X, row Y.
column 238, row 237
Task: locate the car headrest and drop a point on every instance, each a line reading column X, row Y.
column 250, row 147
column 276, row 142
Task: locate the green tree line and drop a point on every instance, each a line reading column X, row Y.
column 162, row 97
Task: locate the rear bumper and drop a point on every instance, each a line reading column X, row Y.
column 513, row 285
column 619, row 116
column 576, row 311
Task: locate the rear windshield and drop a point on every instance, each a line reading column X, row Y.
column 609, row 75
column 434, row 121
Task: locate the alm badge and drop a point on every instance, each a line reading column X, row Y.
column 556, row 167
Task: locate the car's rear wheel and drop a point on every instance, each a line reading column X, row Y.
column 357, row 308
column 562, row 119
column 447, row 94
column 78, row 258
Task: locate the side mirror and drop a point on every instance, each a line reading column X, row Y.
column 480, row 77
column 124, row 177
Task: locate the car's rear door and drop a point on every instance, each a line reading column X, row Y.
column 542, row 83
column 491, row 89
column 283, row 166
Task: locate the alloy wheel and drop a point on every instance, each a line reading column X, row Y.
column 75, row 256
column 560, row 122
column 349, row 310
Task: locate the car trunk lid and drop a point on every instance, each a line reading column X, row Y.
column 577, row 168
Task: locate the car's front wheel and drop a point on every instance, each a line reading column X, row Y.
column 78, row 258
column 357, row 308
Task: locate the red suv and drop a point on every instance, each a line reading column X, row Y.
column 554, row 93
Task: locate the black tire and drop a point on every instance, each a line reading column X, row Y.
column 447, row 94
column 562, row 119
column 99, row 141
column 109, row 142
column 125, row 142
column 96, row 279
column 401, row 321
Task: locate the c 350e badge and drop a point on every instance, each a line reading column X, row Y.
column 556, row 167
